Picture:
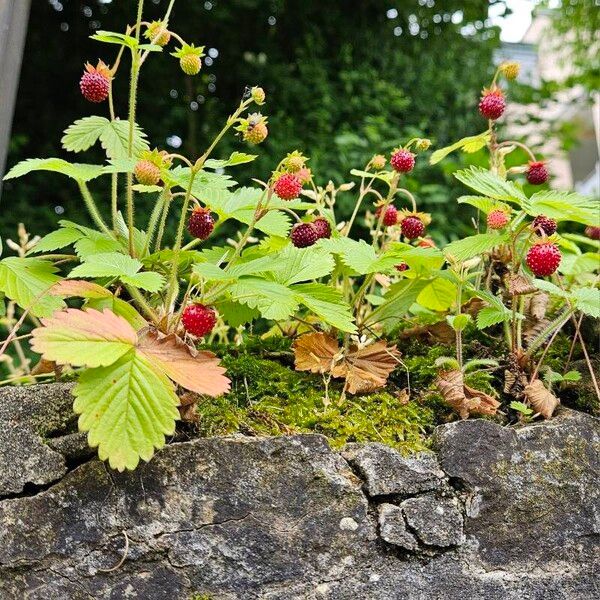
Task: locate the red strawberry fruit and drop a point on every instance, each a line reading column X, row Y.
column 543, row 258
column 322, row 227
column 201, row 223
column 497, row 219
column 537, row 173
column 412, row 227
column 542, row 224
column 198, row 319
column 95, row 82
column 288, row 186
column 304, row 235
column 401, row 267
column 390, row 217
column 492, row 104
column 402, row 160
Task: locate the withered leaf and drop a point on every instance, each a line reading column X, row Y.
column 439, row 332
column 368, row 368
column 463, row 399
column 315, row 352
column 542, row 400
column 365, row 369
column 196, row 371
column 538, row 305
column 518, row 284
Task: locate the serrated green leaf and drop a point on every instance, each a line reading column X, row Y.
column 485, row 205
column 293, row 265
column 327, row 303
column 83, row 338
column 572, row 264
column 112, row 37
column 357, row 255
column 587, row 300
column 120, row 308
column 115, row 140
column 397, row 302
column 147, row 280
column 109, row 264
column 489, row 316
column 491, row 185
column 273, row 300
column 563, row 206
column 57, row 239
column 458, row 322
column 79, row 172
column 439, row 295
column 420, row 260
column 236, row 314
column 468, row 144
column 474, row 245
column 127, row 409
column 27, row 282
column 236, row 158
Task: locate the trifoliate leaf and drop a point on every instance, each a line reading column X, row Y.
column 27, row 281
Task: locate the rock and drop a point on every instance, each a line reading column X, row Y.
column 435, row 521
column 288, row 519
column 27, row 414
column 392, row 527
column 386, row 472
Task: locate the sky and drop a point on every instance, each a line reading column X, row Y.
column 514, row 26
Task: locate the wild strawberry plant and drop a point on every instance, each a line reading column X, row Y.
column 141, row 301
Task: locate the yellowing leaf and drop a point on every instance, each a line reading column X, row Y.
column 196, row 371
column 83, row 338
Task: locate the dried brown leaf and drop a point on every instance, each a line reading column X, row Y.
column 368, row 368
column 538, row 305
column 196, row 371
column 463, row 399
column 439, row 332
column 315, row 352
column 542, row 400
column 518, row 284
column 364, row 368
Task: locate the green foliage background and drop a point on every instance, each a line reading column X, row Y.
column 343, row 82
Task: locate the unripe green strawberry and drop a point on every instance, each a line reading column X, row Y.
column 157, row 33
column 146, row 172
column 190, row 64
column 189, row 58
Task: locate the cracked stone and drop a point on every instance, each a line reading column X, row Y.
column 259, row 518
column 392, row 527
column 435, row 521
column 386, row 472
column 26, row 415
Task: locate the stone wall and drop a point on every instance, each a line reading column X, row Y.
column 494, row 513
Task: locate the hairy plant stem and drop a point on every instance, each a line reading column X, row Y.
column 458, row 331
column 172, row 292
column 143, row 304
column 162, row 224
column 520, row 145
column 135, row 74
column 93, row 209
column 157, row 211
column 363, row 192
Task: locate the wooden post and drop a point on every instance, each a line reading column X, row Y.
column 14, row 15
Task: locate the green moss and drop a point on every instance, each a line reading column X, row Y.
column 270, row 398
